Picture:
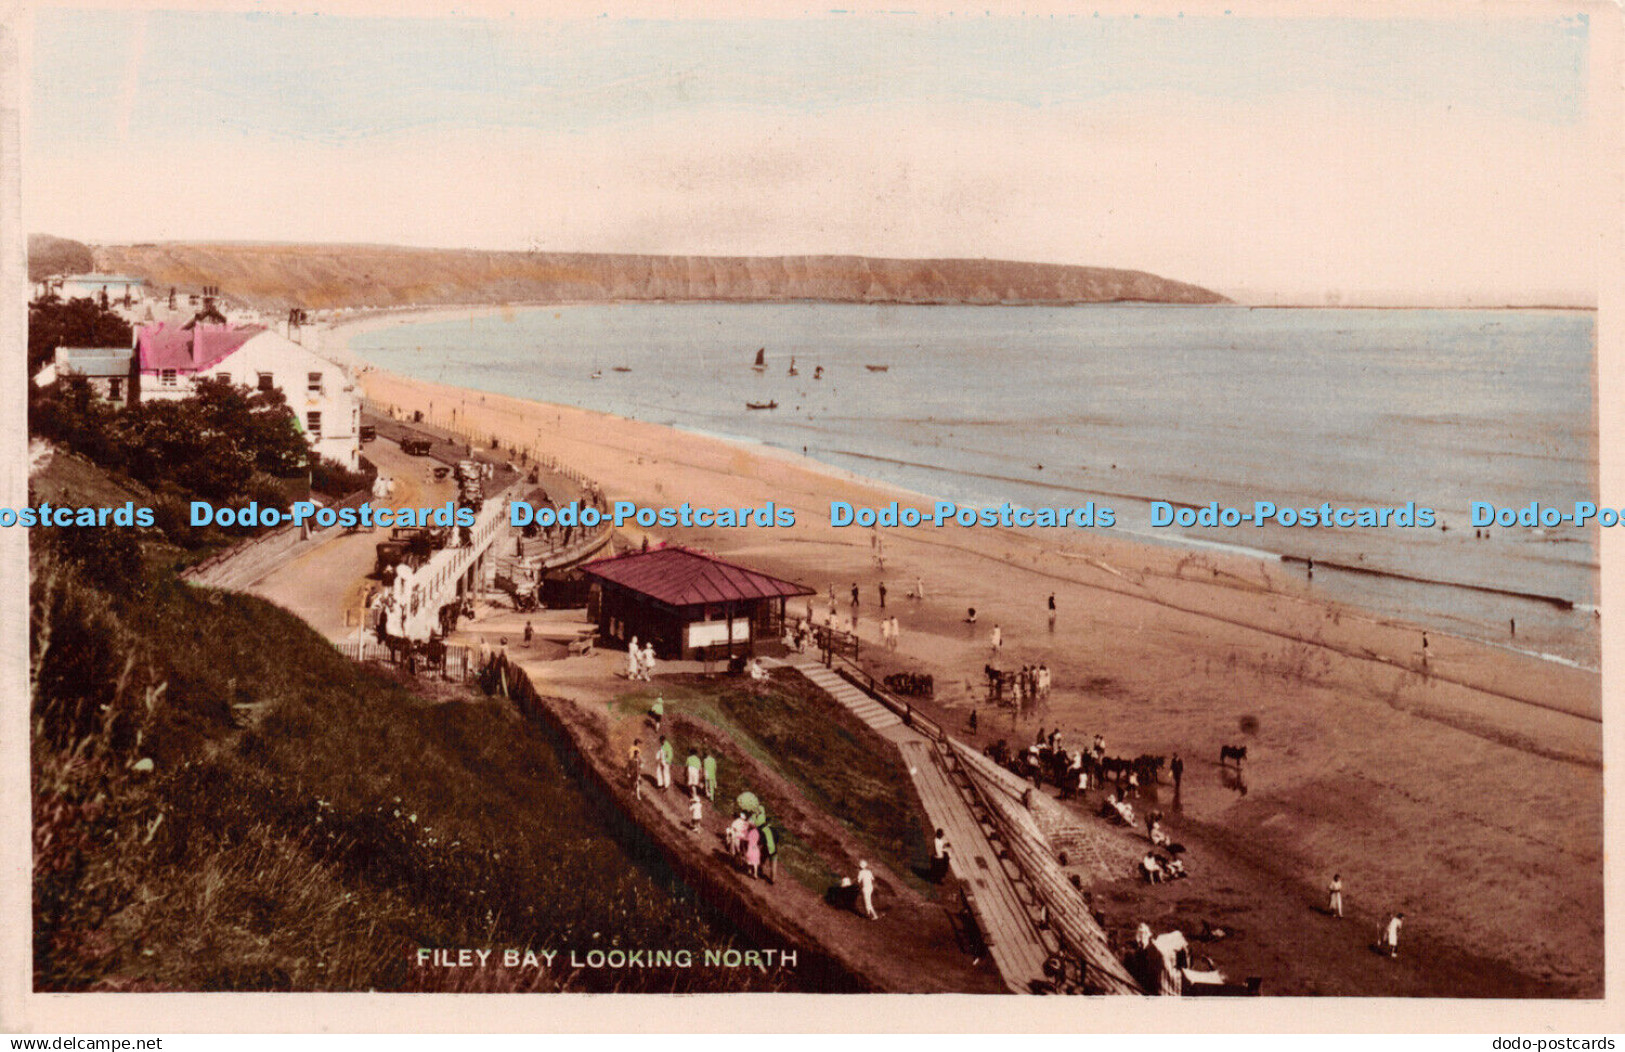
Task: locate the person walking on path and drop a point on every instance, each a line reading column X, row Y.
column 634, row 767
column 770, row 854
column 710, row 765
column 528, row 633
column 939, row 857
column 634, row 660
column 648, row 661
column 753, row 851
column 693, row 765
column 663, row 764
column 657, row 712
column 1176, row 767
column 919, row 588
column 854, row 598
column 1336, row 890
column 882, row 590
column 998, row 639
column 866, row 884
column 696, row 811
column 1390, row 935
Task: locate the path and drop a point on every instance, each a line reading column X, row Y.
column 1001, row 909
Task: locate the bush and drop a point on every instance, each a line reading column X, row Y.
column 53, row 323
column 107, row 558
column 333, row 479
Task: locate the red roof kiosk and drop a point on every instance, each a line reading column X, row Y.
column 691, row 606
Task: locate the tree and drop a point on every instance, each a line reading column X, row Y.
column 257, row 421
column 54, row 323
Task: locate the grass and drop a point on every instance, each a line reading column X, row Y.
column 223, row 802
column 833, row 759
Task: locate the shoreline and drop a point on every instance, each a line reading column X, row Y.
column 1242, row 555
column 1165, row 649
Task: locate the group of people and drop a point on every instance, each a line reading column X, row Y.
column 700, row 774
column 1387, row 939
column 751, row 839
column 1157, row 868
column 1116, row 810
column 1026, row 685
column 640, row 664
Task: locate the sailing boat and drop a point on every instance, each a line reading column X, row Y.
column 761, row 359
column 793, row 366
column 818, row 372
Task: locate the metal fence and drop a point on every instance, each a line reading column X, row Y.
column 459, row 664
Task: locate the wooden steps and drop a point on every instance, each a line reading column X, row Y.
column 1004, row 907
column 856, row 701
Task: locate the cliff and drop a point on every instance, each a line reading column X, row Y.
column 270, row 276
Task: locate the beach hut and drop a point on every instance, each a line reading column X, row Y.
column 692, row 606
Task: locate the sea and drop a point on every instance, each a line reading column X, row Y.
column 1126, row 405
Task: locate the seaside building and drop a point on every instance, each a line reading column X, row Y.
column 118, row 288
column 110, row 370
column 320, row 391
column 691, row 606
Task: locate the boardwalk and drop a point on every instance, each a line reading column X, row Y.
column 1004, row 908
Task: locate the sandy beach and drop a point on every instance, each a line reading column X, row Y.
column 1463, row 788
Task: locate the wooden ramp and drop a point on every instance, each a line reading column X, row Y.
column 1001, row 910
column 1003, row 907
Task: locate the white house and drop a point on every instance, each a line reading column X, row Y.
column 318, row 390
column 120, row 288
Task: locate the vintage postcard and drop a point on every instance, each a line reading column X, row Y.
column 1053, row 509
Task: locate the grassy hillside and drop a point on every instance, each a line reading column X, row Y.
column 223, row 802
column 49, row 255
column 326, row 276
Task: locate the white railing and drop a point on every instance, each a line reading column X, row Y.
column 439, row 575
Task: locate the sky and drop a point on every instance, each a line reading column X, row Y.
column 1306, row 159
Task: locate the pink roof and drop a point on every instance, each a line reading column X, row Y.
column 163, row 346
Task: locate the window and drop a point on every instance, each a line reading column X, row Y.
column 265, row 382
column 314, row 383
column 115, row 388
column 224, row 377
column 313, row 425
column 166, row 378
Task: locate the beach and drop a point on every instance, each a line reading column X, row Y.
column 1463, row 788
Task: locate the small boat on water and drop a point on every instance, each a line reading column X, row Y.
column 622, row 368
column 761, row 359
column 818, row 372
column 762, row 405
column 877, row 368
column 598, row 374
column 793, row 371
